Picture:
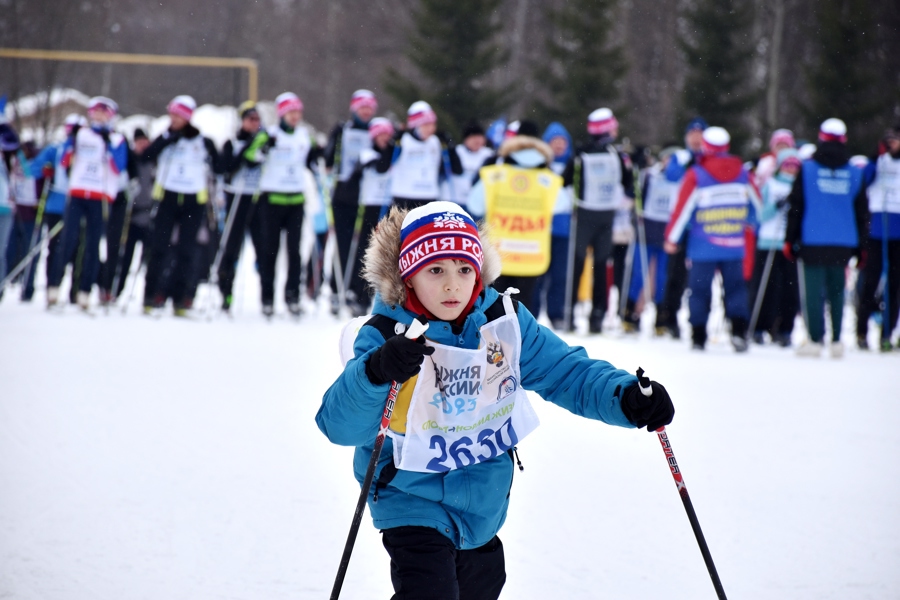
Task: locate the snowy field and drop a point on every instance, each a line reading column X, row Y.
column 170, row 459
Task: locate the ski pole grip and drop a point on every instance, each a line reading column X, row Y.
column 417, row 328
column 644, row 383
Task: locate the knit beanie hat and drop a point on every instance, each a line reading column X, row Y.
column 696, row 123
column 833, row 130
column 361, row 98
column 472, row 128
column 380, row 125
column 287, row 102
column 437, row 231
column 420, row 113
column 788, row 156
column 715, row 140
column 247, row 108
column 182, row 106
column 103, row 102
column 782, row 136
column 602, row 122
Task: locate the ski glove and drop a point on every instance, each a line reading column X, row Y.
column 653, row 411
column 397, row 360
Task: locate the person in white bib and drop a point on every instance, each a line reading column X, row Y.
column 186, row 162
column 444, row 476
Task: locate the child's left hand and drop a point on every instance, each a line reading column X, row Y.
column 653, row 411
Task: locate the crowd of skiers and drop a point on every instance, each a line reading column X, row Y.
column 779, row 233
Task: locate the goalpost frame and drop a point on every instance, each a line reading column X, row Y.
column 249, row 64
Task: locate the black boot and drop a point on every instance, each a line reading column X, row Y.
column 595, row 321
column 698, row 337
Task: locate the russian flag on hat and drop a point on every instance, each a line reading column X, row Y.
column 287, row 102
column 715, row 140
column 833, row 130
column 602, row 121
column 103, row 102
column 437, row 231
column 182, row 106
column 361, row 98
column 420, row 113
column 380, row 125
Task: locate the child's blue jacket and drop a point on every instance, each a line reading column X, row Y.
column 468, row 505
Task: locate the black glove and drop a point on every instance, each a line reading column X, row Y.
column 652, row 411
column 174, row 136
column 781, row 203
column 270, row 143
column 397, row 360
column 444, row 138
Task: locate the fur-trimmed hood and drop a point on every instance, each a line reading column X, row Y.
column 381, row 262
column 525, row 142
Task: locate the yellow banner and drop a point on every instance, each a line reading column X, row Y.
column 519, row 209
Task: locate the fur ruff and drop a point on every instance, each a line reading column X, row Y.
column 381, row 262
column 525, row 142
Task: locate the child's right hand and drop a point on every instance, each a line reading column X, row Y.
column 397, row 360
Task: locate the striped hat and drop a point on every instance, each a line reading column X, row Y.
column 437, row 231
column 833, row 130
column 361, row 98
column 420, row 113
column 287, row 102
column 601, row 122
column 380, row 125
column 715, row 140
column 182, row 106
column 103, row 102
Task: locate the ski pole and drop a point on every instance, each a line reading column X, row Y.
column 416, row 329
column 30, row 256
column 123, row 241
column 761, row 292
column 683, row 492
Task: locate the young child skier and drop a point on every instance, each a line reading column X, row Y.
column 442, row 482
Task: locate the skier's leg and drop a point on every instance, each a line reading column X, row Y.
column 481, row 572
column 423, row 563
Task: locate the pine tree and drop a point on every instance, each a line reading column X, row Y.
column 843, row 81
column 452, row 47
column 718, row 48
column 584, row 70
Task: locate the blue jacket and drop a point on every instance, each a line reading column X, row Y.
column 468, row 505
column 50, row 155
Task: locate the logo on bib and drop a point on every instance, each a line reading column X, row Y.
column 495, row 354
column 507, row 387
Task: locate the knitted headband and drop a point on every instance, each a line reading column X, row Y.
column 437, row 231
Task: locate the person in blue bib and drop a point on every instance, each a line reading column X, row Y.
column 462, row 409
column 827, row 225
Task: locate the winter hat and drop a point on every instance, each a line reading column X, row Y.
column 528, row 128
column 472, row 128
column 436, row 231
column 380, row 125
column 182, row 106
column 247, row 108
column 696, row 123
column 103, row 102
column 782, row 136
column 893, row 133
column 72, row 120
column 420, row 113
column 859, row 160
column 9, row 139
column 715, row 140
column 806, row 151
column 512, row 129
column 554, row 130
column 833, row 130
column 602, row 122
column 139, row 134
column 287, row 102
column 361, row 98
column 787, row 156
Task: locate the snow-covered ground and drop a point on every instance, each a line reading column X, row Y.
column 171, row 459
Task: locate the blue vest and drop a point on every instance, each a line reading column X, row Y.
column 717, row 224
column 828, row 217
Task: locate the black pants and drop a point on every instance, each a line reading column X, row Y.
column 275, row 218
column 371, row 215
column 115, row 223
column 872, row 275
column 182, row 210
column 676, row 281
column 594, row 230
column 136, row 234
column 344, row 226
column 244, row 217
column 426, row 566
column 782, row 297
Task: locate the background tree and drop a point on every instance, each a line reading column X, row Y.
column 718, row 49
column 451, row 45
column 583, row 68
column 843, row 80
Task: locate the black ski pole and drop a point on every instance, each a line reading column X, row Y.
column 685, row 498
column 417, row 328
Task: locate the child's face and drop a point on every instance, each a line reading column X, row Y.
column 427, row 130
column 444, row 287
